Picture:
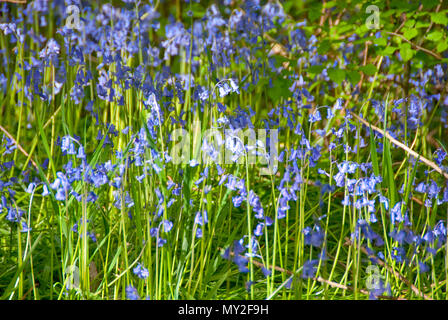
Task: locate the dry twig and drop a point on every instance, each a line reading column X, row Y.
column 429, row 163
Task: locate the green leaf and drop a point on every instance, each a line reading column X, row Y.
column 315, row 12
column 336, row 75
column 406, row 52
column 364, row 40
column 380, row 41
column 324, row 47
column 440, row 18
column 429, row 4
column 410, row 33
column 409, row 23
column 330, row 4
column 388, row 51
column 435, row 36
column 442, row 46
column 315, row 69
column 369, row 69
column 343, row 28
column 354, row 77
column 279, row 89
column 421, row 24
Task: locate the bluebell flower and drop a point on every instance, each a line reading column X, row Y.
column 67, row 145
column 384, row 201
column 131, row 293
column 51, row 51
column 330, row 113
column 313, row 237
column 91, row 235
column 398, row 254
column 60, row 194
column 91, row 197
column 81, row 154
column 309, row 269
column 141, row 271
column 45, row 191
column 226, row 254
column 423, row 267
column 153, row 232
column 193, row 163
column 440, row 155
column 266, row 271
column 201, row 218
column 346, row 201
column 161, row 242
column 31, row 188
column 379, row 290
column 241, row 262
column 433, row 189
column 259, row 229
column 25, row 227
column 167, row 225
column 314, row 117
column 289, row 283
column 238, row 247
column 395, row 213
column 237, row 201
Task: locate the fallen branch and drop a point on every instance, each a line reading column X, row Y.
column 14, row 1
column 319, row 279
column 429, row 163
column 18, row 146
column 416, row 46
column 395, row 273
